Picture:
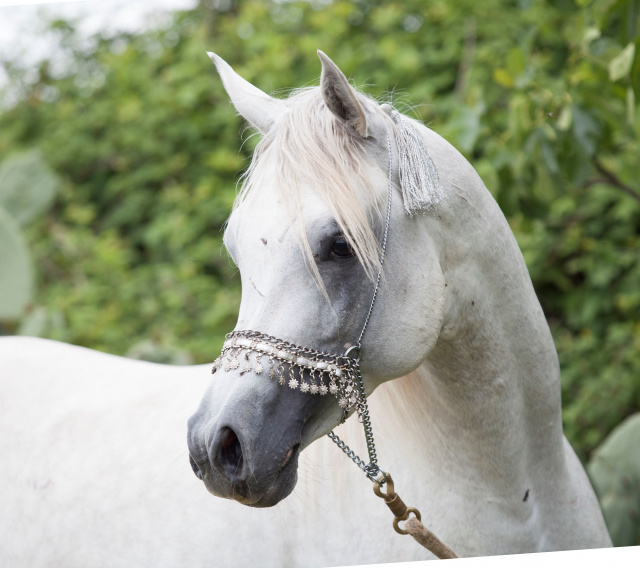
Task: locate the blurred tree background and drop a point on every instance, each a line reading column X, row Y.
column 140, row 152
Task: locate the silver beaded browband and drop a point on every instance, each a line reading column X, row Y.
column 311, row 371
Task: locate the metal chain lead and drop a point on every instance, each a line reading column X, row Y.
column 371, row 469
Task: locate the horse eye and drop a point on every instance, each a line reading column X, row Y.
column 341, row 248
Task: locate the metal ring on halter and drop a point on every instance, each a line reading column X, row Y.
column 377, row 475
column 357, row 347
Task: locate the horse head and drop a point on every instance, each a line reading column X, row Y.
column 326, row 183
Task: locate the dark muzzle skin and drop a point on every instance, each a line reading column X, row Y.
column 245, row 438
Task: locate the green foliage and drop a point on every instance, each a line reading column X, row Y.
column 16, row 280
column 27, row 187
column 540, row 96
column 615, row 473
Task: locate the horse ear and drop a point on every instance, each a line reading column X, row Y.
column 258, row 108
column 340, row 97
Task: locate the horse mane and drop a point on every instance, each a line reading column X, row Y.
column 400, row 407
column 309, row 146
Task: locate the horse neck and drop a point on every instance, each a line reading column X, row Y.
column 487, row 399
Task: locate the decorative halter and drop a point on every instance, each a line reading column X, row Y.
column 315, row 372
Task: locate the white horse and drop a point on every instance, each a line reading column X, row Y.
column 94, row 465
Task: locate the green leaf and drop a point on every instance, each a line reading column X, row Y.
column 590, row 35
column 16, row 278
column 615, row 474
column 565, row 118
column 620, row 65
column 464, row 128
column 549, row 157
column 516, row 61
column 585, row 129
column 504, row 78
column 27, row 185
column 631, row 105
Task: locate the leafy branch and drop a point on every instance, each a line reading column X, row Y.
column 611, row 179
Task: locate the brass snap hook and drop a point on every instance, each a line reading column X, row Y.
column 384, row 478
column 397, row 506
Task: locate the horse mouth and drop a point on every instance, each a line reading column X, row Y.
column 283, row 483
column 254, row 491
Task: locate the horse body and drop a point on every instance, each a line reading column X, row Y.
column 95, row 474
column 472, row 434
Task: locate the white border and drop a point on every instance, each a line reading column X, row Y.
column 623, row 557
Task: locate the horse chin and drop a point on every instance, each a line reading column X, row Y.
column 262, row 493
column 282, row 486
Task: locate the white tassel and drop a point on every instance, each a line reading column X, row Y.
column 419, row 182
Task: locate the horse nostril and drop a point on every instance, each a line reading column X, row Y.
column 195, row 468
column 230, row 454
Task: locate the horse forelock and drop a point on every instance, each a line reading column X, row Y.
column 310, row 147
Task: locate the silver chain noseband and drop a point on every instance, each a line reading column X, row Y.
column 312, row 371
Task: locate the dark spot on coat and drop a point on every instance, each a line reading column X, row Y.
column 473, row 303
column 264, row 242
column 526, row 496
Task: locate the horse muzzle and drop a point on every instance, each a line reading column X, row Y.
column 245, row 438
